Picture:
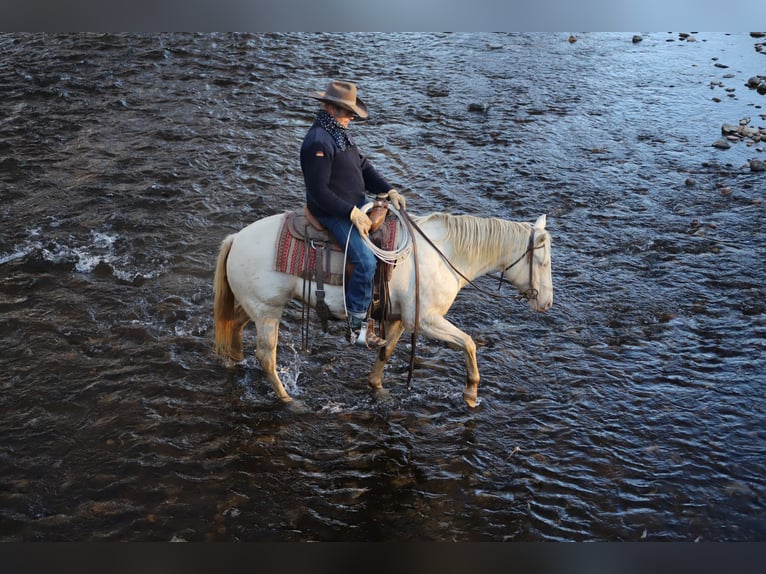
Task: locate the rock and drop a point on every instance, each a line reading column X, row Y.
column 757, row 34
column 437, row 92
column 757, row 165
column 722, row 144
column 757, row 83
column 690, row 182
column 478, row 107
column 720, row 65
column 572, row 39
column 637, row 39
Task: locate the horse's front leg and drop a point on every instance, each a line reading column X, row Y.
column 437, row 327
column 266, row 353
column 394, row 331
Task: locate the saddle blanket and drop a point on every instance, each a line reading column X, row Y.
column 292, row 253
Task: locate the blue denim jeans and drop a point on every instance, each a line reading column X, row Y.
column 359, row 287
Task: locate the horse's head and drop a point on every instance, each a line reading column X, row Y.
column 531, row 273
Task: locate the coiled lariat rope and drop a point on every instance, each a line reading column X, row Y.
column 398, row 254
column 391, row 257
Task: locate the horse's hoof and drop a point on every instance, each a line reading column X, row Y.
column 381, row 395
column 470, row 400
column 296, row 407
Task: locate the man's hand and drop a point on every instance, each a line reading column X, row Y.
column 361, row 221
column 397, row 199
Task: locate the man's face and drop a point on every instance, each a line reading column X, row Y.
column 341, row 115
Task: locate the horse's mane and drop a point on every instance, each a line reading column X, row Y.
column 479, row 236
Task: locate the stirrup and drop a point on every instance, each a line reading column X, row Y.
column 366, row 336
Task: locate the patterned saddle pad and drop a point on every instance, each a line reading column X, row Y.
column 296, row 258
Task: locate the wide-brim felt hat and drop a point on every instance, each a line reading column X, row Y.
column 342, row 94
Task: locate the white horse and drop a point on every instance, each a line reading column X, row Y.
column 247, row 286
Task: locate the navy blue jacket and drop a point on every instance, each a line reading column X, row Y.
column 336, row 180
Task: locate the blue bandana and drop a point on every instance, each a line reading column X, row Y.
column 337, row 131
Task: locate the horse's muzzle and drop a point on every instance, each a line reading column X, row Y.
column 540, row 304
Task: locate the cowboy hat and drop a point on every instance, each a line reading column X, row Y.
column 342, row 94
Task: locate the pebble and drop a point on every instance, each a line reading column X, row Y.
column 722, row 144
column 757, row 165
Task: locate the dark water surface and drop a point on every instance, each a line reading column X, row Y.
column 634, row 409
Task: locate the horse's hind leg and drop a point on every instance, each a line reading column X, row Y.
column 266, row 352
column 394, row 331
column 242, row 318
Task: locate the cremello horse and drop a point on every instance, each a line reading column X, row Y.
column 248, row 287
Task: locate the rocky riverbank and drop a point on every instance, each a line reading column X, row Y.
column 742, row 131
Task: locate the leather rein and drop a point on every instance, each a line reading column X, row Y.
column 529, row 294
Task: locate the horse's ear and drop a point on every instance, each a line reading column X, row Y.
column 540, row 223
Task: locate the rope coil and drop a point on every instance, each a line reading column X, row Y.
column 391, row 257
column 398, row 254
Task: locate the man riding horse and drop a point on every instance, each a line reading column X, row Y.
column 337, row 175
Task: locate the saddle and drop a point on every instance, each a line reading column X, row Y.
column 306, row 249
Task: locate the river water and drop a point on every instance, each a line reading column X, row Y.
column 632, row 410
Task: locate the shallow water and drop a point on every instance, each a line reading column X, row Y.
column 632, row 410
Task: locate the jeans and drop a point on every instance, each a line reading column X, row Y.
column 359, row 287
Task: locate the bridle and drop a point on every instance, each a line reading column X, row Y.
column 531, row 293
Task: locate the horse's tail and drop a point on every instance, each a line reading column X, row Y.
column 223, row 303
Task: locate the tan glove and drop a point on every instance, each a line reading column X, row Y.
column 361, row 221
column 397, row 200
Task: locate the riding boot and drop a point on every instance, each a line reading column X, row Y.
column 362, row 332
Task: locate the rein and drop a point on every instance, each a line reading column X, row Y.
column 531, row 293
column 410, row 224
